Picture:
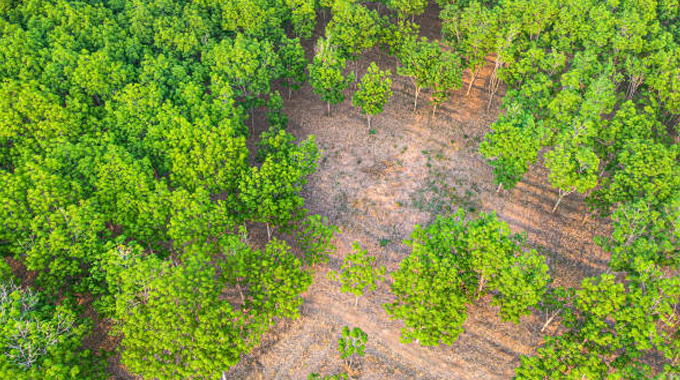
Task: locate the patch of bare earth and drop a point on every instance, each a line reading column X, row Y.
column 376, row 187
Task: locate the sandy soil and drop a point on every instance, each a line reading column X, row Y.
column 376, row 187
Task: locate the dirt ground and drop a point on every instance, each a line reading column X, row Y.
column 376, row 187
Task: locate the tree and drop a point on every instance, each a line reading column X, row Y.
column 326, row 77
column 270, row 193
column 453, row 263
column 352, row 343
column 405, row 8
column 429, row 66
column 247, row 64
column 352, row 30
column 512, row 146
column 473, row 30
column 303, row 16
column 358, row 273
column 610, row 325
column 374, row 91
column 446, row 76
column 40, row 340
column 293, row 64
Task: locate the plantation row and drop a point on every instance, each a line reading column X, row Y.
column 127, row 186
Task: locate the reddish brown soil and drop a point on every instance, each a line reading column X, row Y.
column 376, row 187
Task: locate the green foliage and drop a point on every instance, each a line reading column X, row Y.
column 124, row 165
column 270, row 193
column 453, row 263
column 293, row 63
column 316, row 376
column 6, row 274
column 353, row 29
column 429, row 66
column 200, row 336
column 512, row 146
column 326, row 77
column 352, row 342
column 40, row 341
column 246, row 64
column 358, row 273
column 610, row 326
column 405, row 8
column 315, row 237
column 373, row 92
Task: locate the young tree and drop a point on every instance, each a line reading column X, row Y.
column 270, row 193
column 446, row 76
column 405, row 8
column 353, row 30
column 293, row 63
column 352, row 343
column 374, row 91
column 429, row 66
column 326, row 77
column 473, row 30
column 358, row 273
column 511, row 146
column 246, row 63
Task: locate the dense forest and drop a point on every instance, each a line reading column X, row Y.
column 133, row 174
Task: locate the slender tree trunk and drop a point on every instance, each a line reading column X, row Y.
column 562, row 194
column 500, row 186
column 269, row 232
column 290, row 92
column 243, row 300
column 482, row 282
column 356, row 301
column 472, row 80
column 545, row 325
column 434, row 110
column 369, row 120
column 328, row 107
column 415, row 102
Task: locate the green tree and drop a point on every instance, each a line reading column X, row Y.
column 473, row 30
column 511, row 146
column 609, row 326
column 326, row 77
column 39, row 340
column 358, row 273
column 374, row 91
column 405, row 8
column 352, row 343
column 452, row 264
column 293, row 63
column 429, row 66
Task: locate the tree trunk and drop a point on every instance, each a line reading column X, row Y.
column 562, row 194
column 415, row 102
column 545, row 325
column 369, row 120
column 328, row 107
column 290, row 91
column 434, row 110
column 482, row 282
column 500, row 186
column 269, row 232
column 472, row 80
column 356, row 301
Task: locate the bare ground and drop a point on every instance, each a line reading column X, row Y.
column 377, row 187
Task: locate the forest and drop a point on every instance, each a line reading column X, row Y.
column 340, row 189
